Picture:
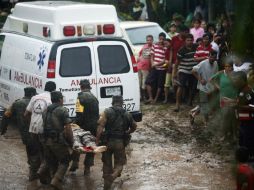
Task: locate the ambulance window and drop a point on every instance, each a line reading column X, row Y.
column 75, row 62
column 113, row 59
column 2, row 37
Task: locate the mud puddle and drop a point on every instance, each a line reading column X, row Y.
column 163, row 155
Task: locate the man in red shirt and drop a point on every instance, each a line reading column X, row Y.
column 203, row 50
column 156, row 77
column 168, row 79
column 176, row 43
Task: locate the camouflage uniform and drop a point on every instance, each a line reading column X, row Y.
column 117, row 123
column 87, row 117
column 82, row 138
column 16, row 114
column 56, row 149
column 18, row 109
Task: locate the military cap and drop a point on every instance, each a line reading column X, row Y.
column 50, row 86
column 29, row 91
column 56, row 96
column 85, row 84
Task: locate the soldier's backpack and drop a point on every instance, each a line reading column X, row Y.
column 118, row 125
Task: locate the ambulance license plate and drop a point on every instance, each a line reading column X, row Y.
column 113, row 91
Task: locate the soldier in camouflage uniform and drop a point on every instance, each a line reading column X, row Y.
column 87, row 113
column 56, row 148
column 117, row 125
column 16, row 114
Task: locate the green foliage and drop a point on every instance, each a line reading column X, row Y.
column 243, row 32
column 124, row 16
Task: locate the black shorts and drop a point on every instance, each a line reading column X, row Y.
column 156, row 77
column 187, row 80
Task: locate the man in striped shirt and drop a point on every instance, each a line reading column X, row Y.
column 182, row 71
column 159, row 61
column 203, row 50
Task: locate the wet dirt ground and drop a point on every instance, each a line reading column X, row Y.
column 164, row 154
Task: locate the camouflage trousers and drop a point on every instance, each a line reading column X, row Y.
column 34, row 152
column 82, row 137
column 116, row 149
column 57, row 158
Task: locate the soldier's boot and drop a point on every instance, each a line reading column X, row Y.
column 32, row 175
column 32, row 185
column 44, row 175
column 107, row 184
column 34, row 165
column 74, row 166
column 57, row 184
column 57, row 181
column 87, row 170
column 117, row 172
column 75, row 161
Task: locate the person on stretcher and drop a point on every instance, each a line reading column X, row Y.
column 84, row 141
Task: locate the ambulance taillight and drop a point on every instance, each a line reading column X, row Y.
column 134, row 64
column 69, row 30
column 51, row 71
column 108, row 28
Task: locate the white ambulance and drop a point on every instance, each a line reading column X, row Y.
column 65, row 42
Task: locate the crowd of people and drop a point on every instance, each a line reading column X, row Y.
column 168, row 64
column 199, row 59
column 53, row 140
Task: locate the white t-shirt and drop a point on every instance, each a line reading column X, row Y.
column 37, row 106
column 216, row 48
column 245, row 67
column 206, row 71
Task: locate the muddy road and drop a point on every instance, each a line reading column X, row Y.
column 165, row 154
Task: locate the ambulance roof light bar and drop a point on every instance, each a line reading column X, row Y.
column 88, row 29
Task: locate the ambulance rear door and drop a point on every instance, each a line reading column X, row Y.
column 115, row 74
column 74, row 62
